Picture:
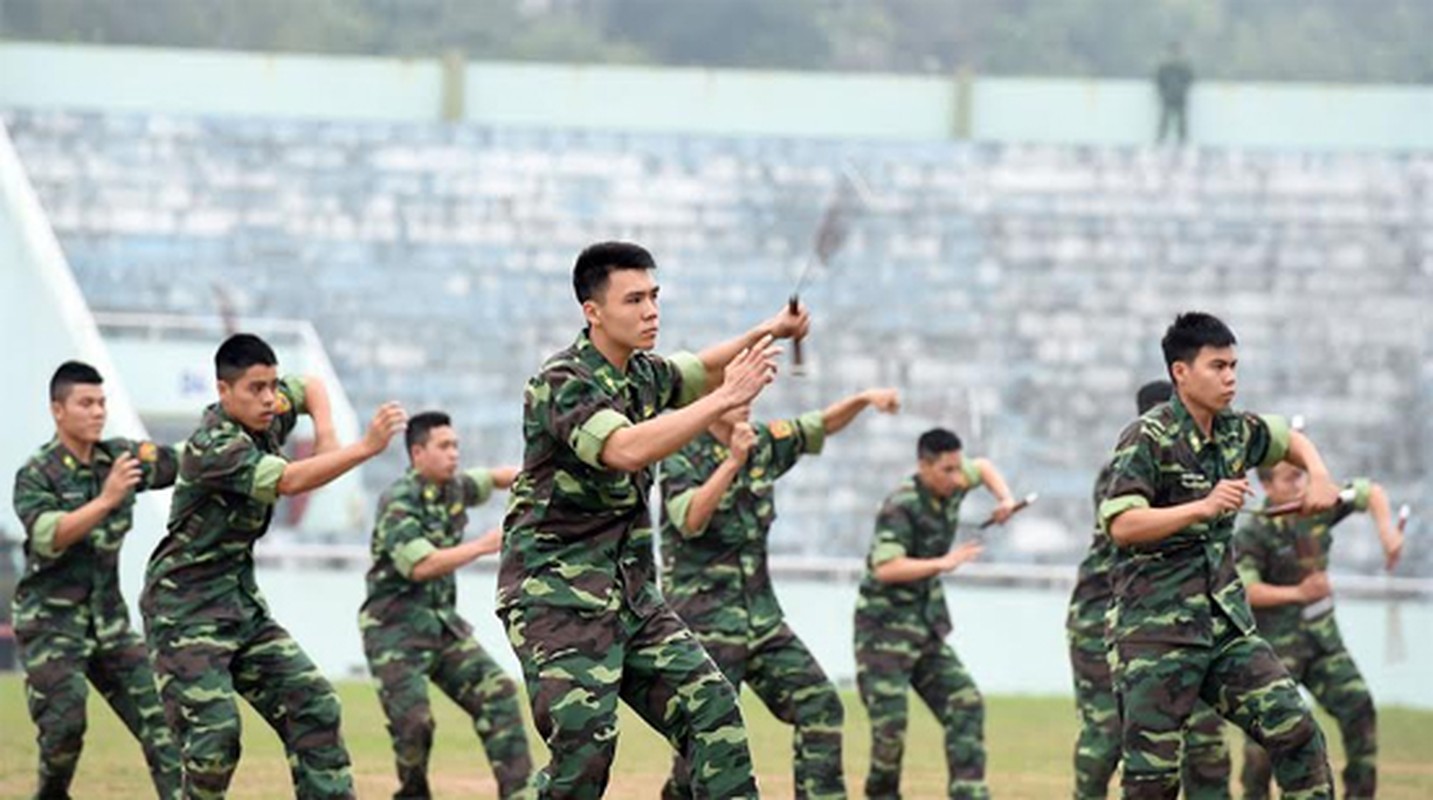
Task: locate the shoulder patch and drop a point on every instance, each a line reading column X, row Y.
column 282, row 405
column 148, row 452
column 781, row 429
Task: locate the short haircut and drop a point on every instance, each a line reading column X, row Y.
column 240, row 352
column 1191, row 332
column 420, row 425
column 935, row 442
column 70, row 374
column 594, row 264
column 1152, row 394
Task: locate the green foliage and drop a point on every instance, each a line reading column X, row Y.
column 1327, row 40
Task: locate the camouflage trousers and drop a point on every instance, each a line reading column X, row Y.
column 202, row 666
column 888, row 665
column 56, row 668
column 783, row 673
column 1204, row 760
column 1328, row 672
column 1158, row 685
column 467, row 675
column 578, row 663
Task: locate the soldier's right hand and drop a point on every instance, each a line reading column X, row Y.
column 750, row 372
column 960, row 554
column 490, row 542
column 388, row 421
column 1314, row 587
column 1228, row 496
column 743, row 438
column 124, row 475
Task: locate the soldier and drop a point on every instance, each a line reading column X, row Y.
column 718, row 495
column 577, row 585
column 208, row 625
column 1172, row 80
column 1293, row 607
column 75, row 498
column 1181, row 627
column 411, row 629
column 902, row 619
column 1205, row 758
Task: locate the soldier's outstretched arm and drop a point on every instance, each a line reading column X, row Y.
column 446, row 560
column 1388, row 533
column 315, row 471
column 320, row 410
column 634, row 447
column 503, row 477
column 995, row 484
column 905, row 569
column 783, row 325
column 1322, row 493
column 839, row 414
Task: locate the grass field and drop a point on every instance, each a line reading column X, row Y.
column 1029, row 742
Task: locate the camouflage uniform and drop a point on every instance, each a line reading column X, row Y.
column 577, row 585
column 1308, row 641
column 1181, row 625
column 1205, row 758
column 412, row 633
column 900, row 643
column 209, row 627
column 717, row 581
column 72, row 623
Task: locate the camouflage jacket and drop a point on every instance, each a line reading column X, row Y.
column 912, row 523
column 1268, row 552
column 76, row 591
column 417, row 517
column 1166, row 591
column 1090, row 601
column 203, row 570
column 578, row 534
column 716, row 578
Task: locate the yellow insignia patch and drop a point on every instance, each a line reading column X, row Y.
column 430, row 492
column 455, row 509
column 282, row 404
column 70, row 461
column 781, row 429
column 149, row 452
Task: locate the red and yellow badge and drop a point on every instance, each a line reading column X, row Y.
column 781, row 429
column 282, row 404
column 148, row 452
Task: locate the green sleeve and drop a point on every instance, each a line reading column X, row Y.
column 38, row 508
column 894, row 534
column 478, row 486
column 227, row 460
column 1133, row 478
column 689, row 377
column 400, row 534
column 1269, row 436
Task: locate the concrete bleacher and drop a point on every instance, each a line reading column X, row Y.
column 1015, row 292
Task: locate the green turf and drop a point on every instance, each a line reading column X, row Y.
column 1029, row 742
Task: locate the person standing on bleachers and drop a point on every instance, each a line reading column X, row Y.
column 412, row 633
column 209, row 629
column 1173, row 79
column 75, row 498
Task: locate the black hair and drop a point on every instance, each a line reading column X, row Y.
column 1191, row 332
column 1152, row 394
column 420, row 425
column 70, row 374
column 936, row 441
column 594, row 264
column 240, row 352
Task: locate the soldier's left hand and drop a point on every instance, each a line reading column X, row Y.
column 786, row 325
column 886, row 401
column 1321, row 496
